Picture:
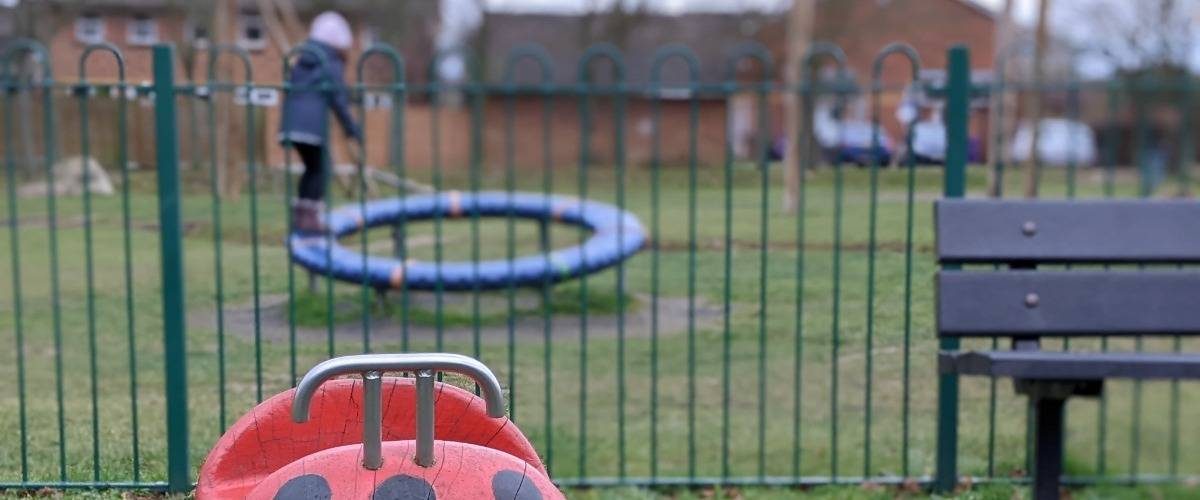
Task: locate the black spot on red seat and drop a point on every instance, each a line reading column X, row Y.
column 511, row 485
column 306, row 487
column 404, row 487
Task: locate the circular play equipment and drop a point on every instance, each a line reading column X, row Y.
column 348, row 438
column 616, row 235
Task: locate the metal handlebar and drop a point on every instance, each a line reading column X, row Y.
column 371, row 366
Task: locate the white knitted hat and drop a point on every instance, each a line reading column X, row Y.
column 332, row 29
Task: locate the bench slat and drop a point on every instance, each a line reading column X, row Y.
column 1068, row 303
column 1049, row 365
column 1117, row 231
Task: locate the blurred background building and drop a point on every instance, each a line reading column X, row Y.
column 458, row 41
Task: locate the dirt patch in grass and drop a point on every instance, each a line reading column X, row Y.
column 493, row 325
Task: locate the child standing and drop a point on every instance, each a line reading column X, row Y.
column 305, row 110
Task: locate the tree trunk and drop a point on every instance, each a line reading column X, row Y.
column 800, row 24
column 228, row 124
column 1033, row 163
column 292, row 24
column 1000, row 103
column 275, row 26
column 187, row 59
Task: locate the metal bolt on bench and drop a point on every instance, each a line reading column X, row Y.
column 1026, row 304
column 372, row 366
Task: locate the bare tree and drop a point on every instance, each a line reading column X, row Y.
column 613, row 23
column 228, row 169
column 1000, row 101
column 1153, row 39
column 1137, row 35
column 199, row 15
column 799, row 35
column 274, row 26
column 1040, row 48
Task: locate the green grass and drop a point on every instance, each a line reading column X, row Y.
column 763, row 347
column 312, row 307
column 868, row 492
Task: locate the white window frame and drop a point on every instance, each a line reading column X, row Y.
column 131, row 31
column 86, row 21
column 245, row 20
column 377, row 100
column 198, row 42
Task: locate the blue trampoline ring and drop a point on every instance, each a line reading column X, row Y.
column 616, row 236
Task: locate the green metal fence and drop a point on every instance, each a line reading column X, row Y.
column 745, row 345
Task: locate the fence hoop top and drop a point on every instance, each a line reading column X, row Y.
column 215, row 51
column 388, row 52
column 533, row 52
column 28, row 46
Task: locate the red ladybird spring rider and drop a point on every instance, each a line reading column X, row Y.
column 378, row 443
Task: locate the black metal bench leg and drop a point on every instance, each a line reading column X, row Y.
column 1049, row 453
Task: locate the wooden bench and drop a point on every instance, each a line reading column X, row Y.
column 1011, row 297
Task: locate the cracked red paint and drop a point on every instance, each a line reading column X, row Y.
column 461, row 471
column 266, row 440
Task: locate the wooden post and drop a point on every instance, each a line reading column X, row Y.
column 222, row 32
column 999, row 118
column 276, row 26
column 278, row 37
column 292, row 24
column 799, row 34
column 230, row 166
column 1033, row 163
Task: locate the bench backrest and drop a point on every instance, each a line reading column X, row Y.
column 1017, row 300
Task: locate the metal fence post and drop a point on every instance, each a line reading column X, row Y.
column 171, row 241
column 958, row 92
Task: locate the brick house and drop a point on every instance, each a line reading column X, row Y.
column 860, row 27
column 133, row 26
column 863, row 27
column 711, row 37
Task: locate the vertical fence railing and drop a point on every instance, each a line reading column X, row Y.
column 814, row 87
column 11, row 89
column 179, row 474
column 914, row 63
column 83, row 91
column 810, row 91
column 590, row 87
column 661, row 58
column 701, row 371
column 537, row 56
column 75, row 323
column 958, row 91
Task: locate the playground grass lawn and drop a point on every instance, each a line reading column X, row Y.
column 627, row 408
column 985, row 492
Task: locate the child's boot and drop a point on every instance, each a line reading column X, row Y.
column 306, row 216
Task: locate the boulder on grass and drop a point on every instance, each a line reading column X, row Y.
column 70, row 176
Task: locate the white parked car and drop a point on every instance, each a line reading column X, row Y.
column 850, row 141
column 929, row 141
column 1061, row 142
